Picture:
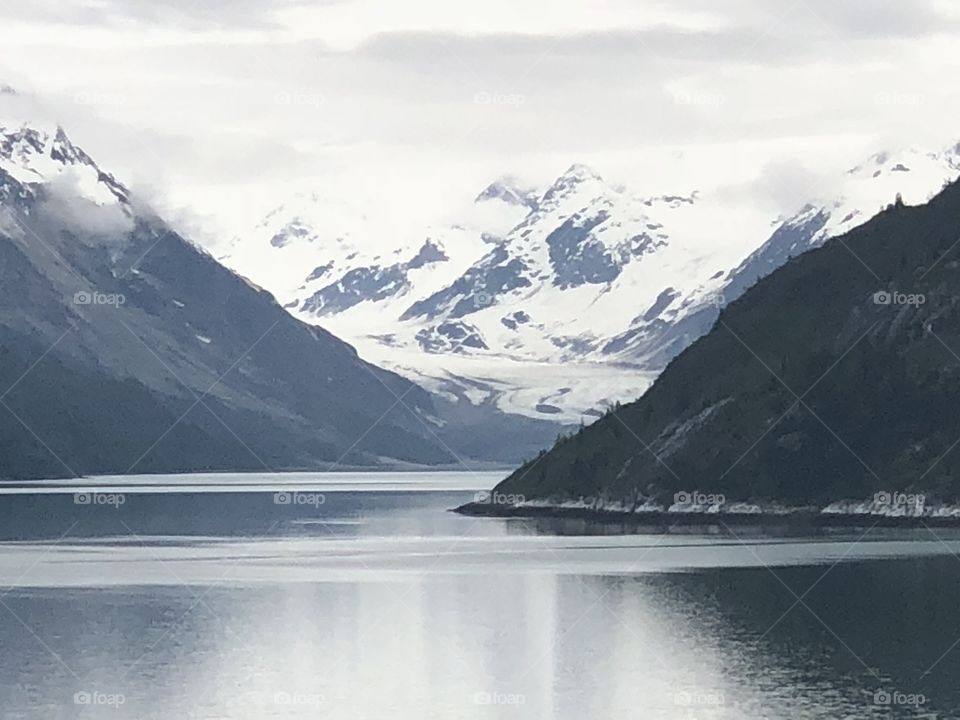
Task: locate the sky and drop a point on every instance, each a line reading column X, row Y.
column 217, row 110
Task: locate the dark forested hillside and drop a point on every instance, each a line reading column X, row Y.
column 837, row 376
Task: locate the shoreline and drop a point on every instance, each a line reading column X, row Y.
column 662, row 519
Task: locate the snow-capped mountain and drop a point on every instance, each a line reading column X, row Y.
column 325, row 259
column 668, row 327
column 576, row 271
column 123, row 347
column 41, row 152
column 536, row 277
column 485, row 308
column 553, row 303
column 912, row 174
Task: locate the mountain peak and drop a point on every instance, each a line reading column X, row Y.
column 32, row 138
column 576, row 175
column 577, row 179
column 39, row 152
column 509, row 190
column 581, row 172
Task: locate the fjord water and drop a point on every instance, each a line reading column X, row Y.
column 358, row 596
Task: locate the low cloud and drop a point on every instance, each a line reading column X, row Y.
column 65, row 204
column 354, row 96
column 783, row 187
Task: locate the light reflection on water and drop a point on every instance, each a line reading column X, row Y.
column 397, row 609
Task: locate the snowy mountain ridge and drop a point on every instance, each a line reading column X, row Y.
column 911, row 174
column 323, row 258
column 583, row 273
column 117, row 309
column 32, row 152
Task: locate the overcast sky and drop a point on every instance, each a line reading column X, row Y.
column 220, row 108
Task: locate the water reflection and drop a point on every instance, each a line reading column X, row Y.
column 400, row 610
column 696, row 645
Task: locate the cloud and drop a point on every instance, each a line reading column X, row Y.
column 65, row 206
column 885, row 20
column 837, row 19
column 638, row 49
column 182, row 14
column 361, row 95
column 16, row 104
column 783, row 186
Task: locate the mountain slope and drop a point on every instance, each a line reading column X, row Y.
column 510, row 305
column 665, row 329
column 523, row 306
column 574, row 273
column 127, row 348
column 325, row 258
column 833, row 377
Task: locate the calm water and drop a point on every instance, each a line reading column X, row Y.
column 358, row 596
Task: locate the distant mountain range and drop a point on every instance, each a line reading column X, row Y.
column 551, row 303
column 831, row 383
column 525, row 311
column 126, row 348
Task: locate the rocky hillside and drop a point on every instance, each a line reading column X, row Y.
column 835, row 377
column 124, row 348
